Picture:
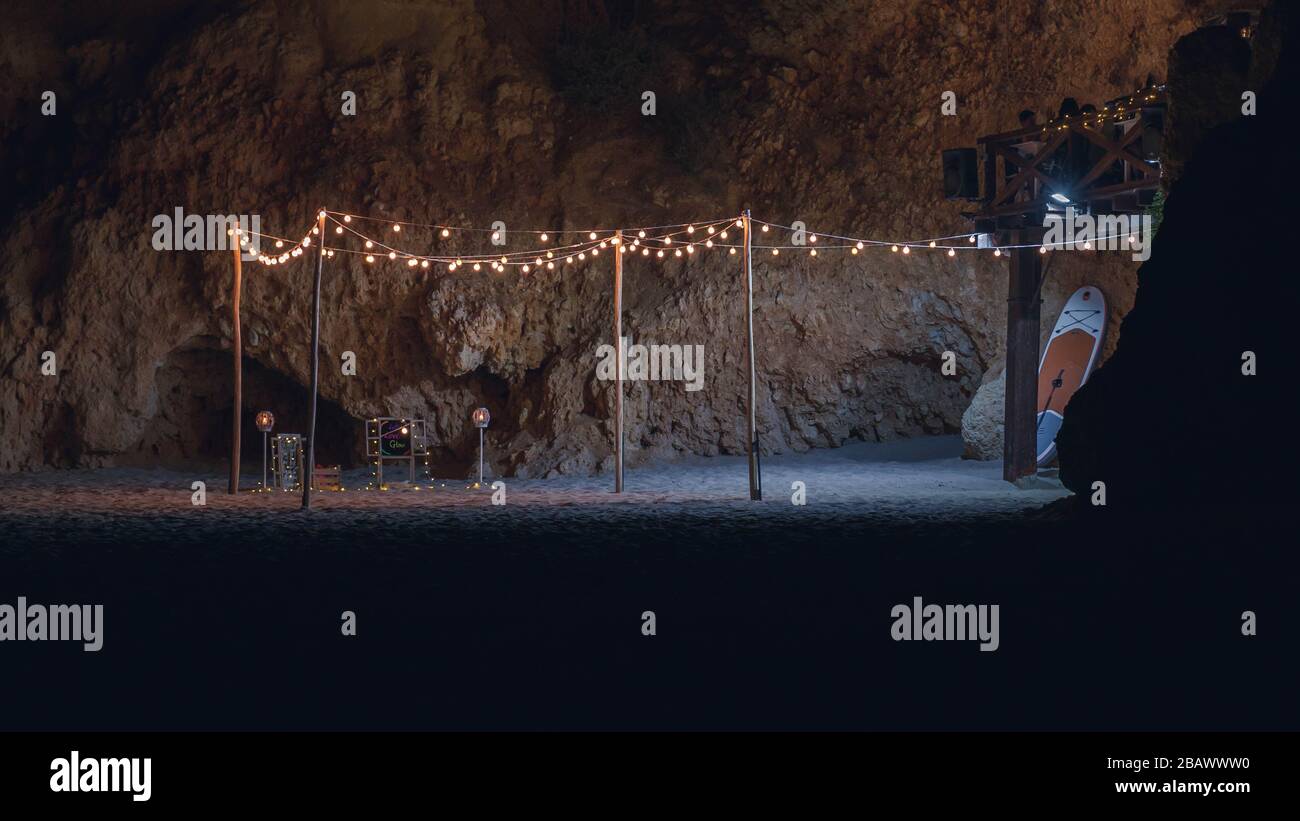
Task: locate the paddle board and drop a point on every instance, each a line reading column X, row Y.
column 1069, row 356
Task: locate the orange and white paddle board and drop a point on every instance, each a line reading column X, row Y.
column 1070, row 355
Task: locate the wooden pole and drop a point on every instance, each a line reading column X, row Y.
column 618, row 347
column 1020, row 440
column 239, row 377
column 751, row 428
column 310, row 467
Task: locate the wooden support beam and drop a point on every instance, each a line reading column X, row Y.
column 618, row 359
column 1020, row 447
column 309, row 470
column 751, row 424
column 238, row 348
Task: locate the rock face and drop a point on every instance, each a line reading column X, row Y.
column 1190, row 409
column 469, row 113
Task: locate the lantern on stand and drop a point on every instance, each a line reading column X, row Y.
column 265, row 420
column 481, row 418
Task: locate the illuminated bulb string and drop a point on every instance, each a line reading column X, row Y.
column 689, row 237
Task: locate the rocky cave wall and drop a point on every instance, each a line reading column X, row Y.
column 526, row 113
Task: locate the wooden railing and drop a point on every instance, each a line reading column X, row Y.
column 1107, row 161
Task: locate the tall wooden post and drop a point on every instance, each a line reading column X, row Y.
column 1020, row 440
column 751, row 427
column 618, row 348
column 238, row 410
column 310, row 467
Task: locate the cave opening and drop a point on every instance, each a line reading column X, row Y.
column 191, row 425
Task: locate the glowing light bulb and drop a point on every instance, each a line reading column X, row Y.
column 321, row 215
column 544, row 237
column 451, row 266
column 972, row 237
column 550, row 266
column 812, row 237
column 860, row 246
column 370, row 257
column 549, row 255
column 392, row 255
column 690, row 229
column 580, row 256
column 710, row 229
column 952, row 253
column 731, row 251
column 347, row 218
column 812, row 252
column 1087, row 246
column 668, row 240
column 279, row 243
column 622, row 249
column 740, row 223
column 338, row 230
column 424, row 263
column 997, row 252
column 931, row 243
column 412, row 262
column 496, row 235
column 894, row 248
column 503, row 260
column 641, row 234
column 445, row 233
column 478, row 267
column 907, row 249
column 764, row 229
column 397, row 229
column 723, row 235
column 854, row 252
column 1042, row 249
column 595, row 252
column 525, row 268
column 592, row 235
column 690, row 249
column 708, row 243
column 776, row 252
column 645, row 252
column 678, row 252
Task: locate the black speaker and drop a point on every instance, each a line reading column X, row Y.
column 960, row 180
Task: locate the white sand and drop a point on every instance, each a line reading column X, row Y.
column 911, row 479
